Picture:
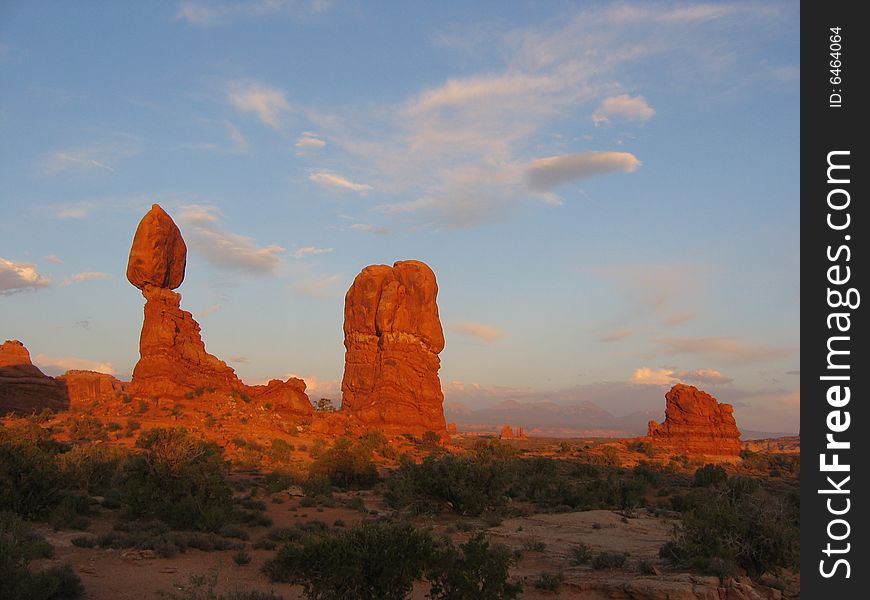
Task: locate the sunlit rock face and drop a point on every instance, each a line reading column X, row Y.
column 392, row 338
column 696, row 424
column 24, row 389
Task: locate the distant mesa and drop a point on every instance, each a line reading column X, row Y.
column 508, row 433
column 24, row 389
column 392, row 338
column 83, row 387
column 696, row 425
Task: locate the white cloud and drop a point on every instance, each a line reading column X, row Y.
column 309, row 250
column 329, row 179
column 310, row 140
column 84, row 276
column 615, row 336
column 670, row 376
column 239, row 359
column 630, row 108
column 544, row 174
column 225, row 249
column 480, row 331
column 318, row 387
column 268, row 103
column 55, row 365
column 19, row 277
column 54, row 258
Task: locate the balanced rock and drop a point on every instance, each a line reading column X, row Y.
column 696, row 425
column 392, row 337
column 25, row 389
column 159, row 254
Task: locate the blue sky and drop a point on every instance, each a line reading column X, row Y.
column 607, row 192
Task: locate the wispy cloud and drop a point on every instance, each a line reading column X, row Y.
column 54, row 258
column 269, row 104
column 615, row 336
column 210, row 310
column 310, row 250
column 310, row 140
column 334, row 180
column 544, row 174
column 225, row 249
column 210, row 13
column 83, row 276
column 242, row 360
column 236, row 143
column 487, row 333
column 20, row 277
column 101, row 156
column 724, row 348
column 319, row 286
column 629, row 108
column 369, row 228
column 55, row 365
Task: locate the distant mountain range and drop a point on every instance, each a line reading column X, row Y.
column 549, row 419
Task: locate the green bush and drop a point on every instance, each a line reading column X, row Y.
column 18, row 546
column 371, row 561
column 549, row 582
column 740, row 524
column 85, row 428
column 347, row 465
column 709, row 475
column 30, row 479
column 476, row 570
column 93, row 469
column 609, row 560
column 580, row 554
column 178, row 479
column 280, row 450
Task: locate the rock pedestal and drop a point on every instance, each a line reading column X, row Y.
column 696, row 425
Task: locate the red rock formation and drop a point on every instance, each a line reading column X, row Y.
column 172, row 357
column 285, row 396
column 158, row 255
column 23, row 387
column 521, row 434
column 506, row 433
column 83, row 387
column 696, row 424
column 392, row 337
column 451, row 428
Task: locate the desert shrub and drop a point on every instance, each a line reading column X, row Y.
column 371, row 561
column 709, row 475
column 317, row 484
column 30, row 479
column 202, row 587
column 580, row 554
column 18, row 546
column 93, row 469
column 277, row 481
column 70, row 513
column 113, row 426
column 492, row 450
column 347, row 465
column 476, row 570
column 739, row 524
column 431, row 440
column 242, row 558
column 280, row 450
column 463, row 484
column 646, row 567
column 549, row 582
column 373, row 440
column 85, row 428
column 231, row 531
column 84, row 541
column 179, row 479
column 609, row 560
column 643, row 447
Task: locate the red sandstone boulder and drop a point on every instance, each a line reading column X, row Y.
column 696, row 424
column 159, row 254
column 392, row 337
column 25, row 389
column 284, row 396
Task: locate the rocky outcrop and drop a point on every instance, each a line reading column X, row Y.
column 284, row 396
column 84, row 387
column 25, row 389
column 173, row 361
column 696, row 425
column 508, row 433
column 392, row 337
